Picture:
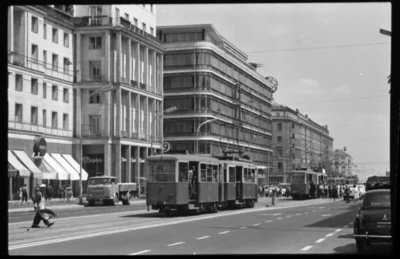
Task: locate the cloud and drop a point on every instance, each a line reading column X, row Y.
column 308, row 86
column 341, row 89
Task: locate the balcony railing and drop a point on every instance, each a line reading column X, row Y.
column 55, row 13
column 27, row 127
column 92, row 21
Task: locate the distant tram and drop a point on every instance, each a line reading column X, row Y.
column 215, row 182
column 300, row 186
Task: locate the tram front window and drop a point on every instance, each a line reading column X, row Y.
column 162, row 171
column 183, row 172
column 298, row 178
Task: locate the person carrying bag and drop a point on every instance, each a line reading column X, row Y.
column 42, row 214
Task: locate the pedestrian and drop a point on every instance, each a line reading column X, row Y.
column 49, row 192
column 347, row 193
column 334, row 192
column 40, row 207
column 24, row 193
column 356, row 193
column 340, row 191
column 274, row 193
column 288, row 191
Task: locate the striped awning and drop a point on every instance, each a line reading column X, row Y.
column 27, row 161
column 76, row 166
column 22, row 170
column 48, row 172
column 61, row 173
column 73, row 174
column 12, row 172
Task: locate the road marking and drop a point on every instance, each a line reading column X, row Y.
column 279, row 218
column 330, row 234
column 326, row 215
column 242, row 227
column 141, row 252
column 337, row 230
column 320, row 240
column 314, row 211
column 160, row 223
column 221, row 233
column 199, row 238
column 305, row 212
column 321, row 207
column 175, row 244
column 256, row 224
column 289, row 216
column 306, row 248
column 297, row 214
column 276, row 214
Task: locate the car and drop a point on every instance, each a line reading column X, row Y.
column 361, row 190
column 373, row 221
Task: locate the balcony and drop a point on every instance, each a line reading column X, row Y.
column 55, row 13
column 85, row 21
column 28, row 127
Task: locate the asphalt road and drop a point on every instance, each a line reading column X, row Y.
column 319, row 226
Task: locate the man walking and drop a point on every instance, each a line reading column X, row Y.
column 49, row 192
column 40, row 206
column 24, row 193
column 347, row 193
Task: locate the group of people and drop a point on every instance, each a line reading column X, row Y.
column 48, row 192
column 268, row 191
column 332, row 191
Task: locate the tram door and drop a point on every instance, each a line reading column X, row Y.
column 222, row 180
column 239, row 180
column 193, row 189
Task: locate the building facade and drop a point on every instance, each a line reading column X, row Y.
column 342, row 163
column 223, row 104
column 299, row 143
column 118, row 89
column 40, row 85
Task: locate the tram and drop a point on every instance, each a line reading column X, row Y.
column 184, row 182
column 300, row 186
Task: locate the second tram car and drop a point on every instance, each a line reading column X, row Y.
column 183, row 182
column 300, row 186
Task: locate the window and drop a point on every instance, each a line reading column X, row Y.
column 151, row 8
column 293, row 136
column 95, row 42
column 44, row 90
column 54, row 93
column 135, row 22
column 34, row 53
column 34, row 115
column 279, row 139
column 44, row 31
column 34, row 86
column 203, row 173
column 183, row 172
column 44, row 58
column 18, row 112
column 66, row 40
column 151, row 31
column 65, row 121
column 95, row 98
column 66, row 64
column 292, row 125
column 143, row 26
column 18, row 82
column 35, row 23
column 44, row 113
column 54, row 120
column 280, row 167
column 95, row 68
column 279, row 126
column 55, row 35
column 94, row 124
column 279, row 151
column 65, row 95
column 54, row 62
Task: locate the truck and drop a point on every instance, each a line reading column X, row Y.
column 107, row 190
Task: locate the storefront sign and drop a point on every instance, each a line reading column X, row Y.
column 89, row 160
column 39, row 147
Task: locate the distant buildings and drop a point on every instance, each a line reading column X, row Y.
column 342, row 163
column 298, row 142
column 207, row 77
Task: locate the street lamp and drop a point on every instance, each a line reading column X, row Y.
column 197, row 132
column 170, row 109
column 106, row 88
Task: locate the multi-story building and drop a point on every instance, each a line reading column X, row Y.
column 206, row 77
column 342, row 163
column 116, row 46
column 299, row 143
column 40, row 82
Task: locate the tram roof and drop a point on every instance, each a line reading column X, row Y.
column 185, row 157
column 307, row 172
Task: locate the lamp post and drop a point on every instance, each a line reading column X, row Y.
column 197, row 132
column 106, row 88
column 171, row 109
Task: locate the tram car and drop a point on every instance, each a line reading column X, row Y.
column 300, row 185
column 183, row 182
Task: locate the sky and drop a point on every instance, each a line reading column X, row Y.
column 330, row 61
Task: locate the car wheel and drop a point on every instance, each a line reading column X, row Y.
column 91, row 202
column 360, row 245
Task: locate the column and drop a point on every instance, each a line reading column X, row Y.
column 161, row 86
column 137, row 62
column 128, row 164
column 107, row 159
column 107, row 117
column 78, row 57
column 129, row 115
column 10, row 188
column 11, row 40
column 119, row 108
column 154, row 72
column 161, row 124
column 137, row 171
column 26, row 33
column 107, row 62
column 146, row 168
column 146, row 67
column 118, row 161
column 119, row 59
column 146, row 125
column 155, row 120
column 138, row 114
column 129, row 60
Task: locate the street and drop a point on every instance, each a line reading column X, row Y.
column 309, row 227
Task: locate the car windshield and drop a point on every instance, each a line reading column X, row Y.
column 377, row 200
column 96, row 181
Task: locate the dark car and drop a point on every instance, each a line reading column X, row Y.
column 373, row 221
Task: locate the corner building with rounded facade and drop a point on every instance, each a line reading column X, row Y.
column 207, row 77
column 116, row 45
